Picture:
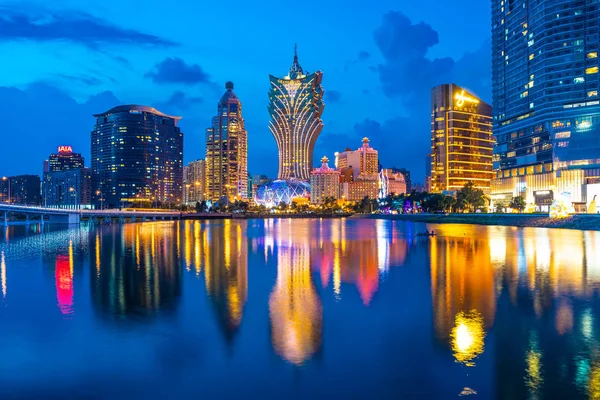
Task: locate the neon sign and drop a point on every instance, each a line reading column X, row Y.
column 461, row 98
column 65, row 149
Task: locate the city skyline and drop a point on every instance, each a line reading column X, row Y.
column 182, row 79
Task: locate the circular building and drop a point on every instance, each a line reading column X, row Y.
column 274, row 192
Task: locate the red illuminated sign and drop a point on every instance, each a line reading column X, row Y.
column 65, row 149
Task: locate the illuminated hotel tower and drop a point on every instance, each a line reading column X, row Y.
column 296, row 105
column 227, row 150
column 461, row 140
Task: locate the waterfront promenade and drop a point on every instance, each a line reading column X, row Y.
column 576, row 221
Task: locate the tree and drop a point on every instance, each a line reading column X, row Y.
column 518, row 203
column 199, row 208
column 470, row 198
column 500, row 207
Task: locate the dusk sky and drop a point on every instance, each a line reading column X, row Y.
column 62, row 61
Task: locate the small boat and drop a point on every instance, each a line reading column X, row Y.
column 426, row 234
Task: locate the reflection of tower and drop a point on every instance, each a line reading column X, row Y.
column 294, row 305
column 463, row 291
column 140, row 272
column 226, row 273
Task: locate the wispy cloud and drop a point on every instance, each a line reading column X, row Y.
column 37, row 25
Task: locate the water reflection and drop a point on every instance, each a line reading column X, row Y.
column 512, row 311
column 139, row 272
column 294, row 306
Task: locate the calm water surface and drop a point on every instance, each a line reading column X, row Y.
column 298, row 308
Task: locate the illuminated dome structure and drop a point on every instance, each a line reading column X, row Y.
column 274, row 192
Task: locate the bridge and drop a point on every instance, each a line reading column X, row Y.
column 63, row 216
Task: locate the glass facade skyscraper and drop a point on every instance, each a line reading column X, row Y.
column 227, row 150
column 545, row 98
column 296, row 105
column 137, row 157
column 461, row 140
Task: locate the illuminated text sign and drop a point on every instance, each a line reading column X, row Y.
column 65, row 149
column 461, row 98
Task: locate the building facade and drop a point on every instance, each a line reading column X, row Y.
column 195, row 182
column 461, row 140
column 296, row 105
column 227, row 150
column 70, row 189
column 359, row 175
column 20, row 189
column 64, row 159
column 391, row 182
column 545, row 98
column 137, row 157
column 324, row 182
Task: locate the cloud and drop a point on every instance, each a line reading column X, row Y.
column 363, row 55
column 404, row 47
column 175, row 70
column 179, row 101
column 333, row 96
column 407, row 75
column 71, row 26
column 81, row 79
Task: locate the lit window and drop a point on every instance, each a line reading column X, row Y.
column 591, row 70
column 593, row 54
column 592, row 93
column 579, row 79
column 531, row 56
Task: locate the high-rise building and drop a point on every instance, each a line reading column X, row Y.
column 461, row 140
column 67, row 189
column 227, row 150
column 20, row 189
column 66, row 183
column 195, row 181
column 364, row 161
column 391, row 182
column 406, row 174
column 137, row 157
column 296, row 105
column 64, row 159
column 359, row 172
column 324, row 182
column 545, row 98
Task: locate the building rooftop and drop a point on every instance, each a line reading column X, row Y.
column 135, row 107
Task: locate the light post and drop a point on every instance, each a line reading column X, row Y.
column 99, row 193
column 73, row 190
column 7, row 180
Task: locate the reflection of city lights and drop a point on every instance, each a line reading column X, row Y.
column 534, row 370
column 564, row 318
column 594, row 382
column 467, row 337
column 64, row 284
column 587, row 324
column 3, row 273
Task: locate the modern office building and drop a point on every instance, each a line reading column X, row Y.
column 227, row 150
column 428, row 159
column 296, row 105
column 137, row 157
column 20, row 189
column 461, row 140
column 324, row 182
column 195, row 182
column 64, row 159
column 67, row 189
column 545, row 98
column 391, row 182
column 406, row 173
column 359, row 175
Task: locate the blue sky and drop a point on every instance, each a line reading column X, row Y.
column 63, row 61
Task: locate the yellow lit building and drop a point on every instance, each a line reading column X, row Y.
column 227, row 150
column 195, row 182
column 461, row 140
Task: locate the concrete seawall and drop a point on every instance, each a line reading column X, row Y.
column 578, row 221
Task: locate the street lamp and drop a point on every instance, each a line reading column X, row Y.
column 99, row 193
column 8, row 182
column 73, row 190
